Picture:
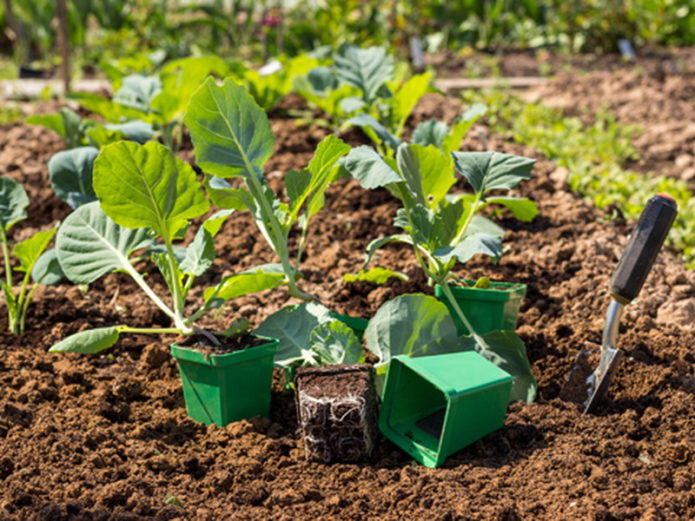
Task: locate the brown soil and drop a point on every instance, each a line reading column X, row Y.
column 106, row 437
column 336, row 412
column 226, row 344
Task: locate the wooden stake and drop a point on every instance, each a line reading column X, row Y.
column 64, row 42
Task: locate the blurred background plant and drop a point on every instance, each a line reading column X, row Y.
column 128, row 32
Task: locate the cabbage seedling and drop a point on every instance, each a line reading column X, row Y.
column 444, row 228
column 232, row 139
column 146, row 198
column 35, row 262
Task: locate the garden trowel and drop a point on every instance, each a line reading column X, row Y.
column 582, row 384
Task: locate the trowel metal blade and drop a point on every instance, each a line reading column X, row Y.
column 601, row 378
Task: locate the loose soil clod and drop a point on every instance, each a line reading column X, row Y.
column 337, row 412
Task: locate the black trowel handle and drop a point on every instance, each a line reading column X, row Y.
column 644, row 245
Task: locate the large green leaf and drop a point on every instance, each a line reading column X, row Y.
column 13, row 202
column 138, row 131
column 428, row 173
column 368, row 167
column 89, row 244
column 146, row 186
column 367, row 69
column 230, row 132
column 323, row 169
column 29, row 250
column 413, row 325
column 53, row 122
column 293, row 326
column 335, row 343
column 489, row 170
column 89, row 341
column 70, row 172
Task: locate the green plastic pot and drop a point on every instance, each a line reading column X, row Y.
column 433, row 406
column 221, row 389
column 492, row 309
column 357, row 324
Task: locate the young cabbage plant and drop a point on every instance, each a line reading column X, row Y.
column 70, row 173
column 364, row 87
column 146, row 198
column 38, row 265
column 444, row 228
column 232, row 139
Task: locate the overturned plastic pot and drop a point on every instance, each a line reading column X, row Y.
column 488, row 309
column 433, row 406
column 227, row 387
column 337, row 412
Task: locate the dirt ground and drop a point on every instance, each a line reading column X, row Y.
column 106, row 437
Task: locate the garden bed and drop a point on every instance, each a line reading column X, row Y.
column 107, row 437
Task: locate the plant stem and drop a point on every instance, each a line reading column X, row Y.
column 6, row 254
column 153, row 331
column 469, row 218
column 276, row 233
column 450, row 297
column 23, row 307
column 149, row 292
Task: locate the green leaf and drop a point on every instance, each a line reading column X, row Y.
column 70, row 173
column 469, row 246
column 335, row 343
column 463, row 124
column 375, row 275
column 89, row 244
column 241, row 284
column 53, row 122
column 506, row 350
column 428, row 173
column 368, row 122
column 323, row 79
column 138, row 91
column 489, row 170
column 227, row 126
column 106, row 108
column 412, row 325
column 374, row 245
column 138, row 131
column 29, row 250
column 13, row 202
column 367, row 69
column 369, row 168
column 430, row 132
column 89, row 341
column 408, row 95
column 223, row 195
column 323, row 169
column 199, row 254
column 146, row 186
column 523, row 209
column 47, row 270
column 292, row 326
column 74, row 128
column 213, row 223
